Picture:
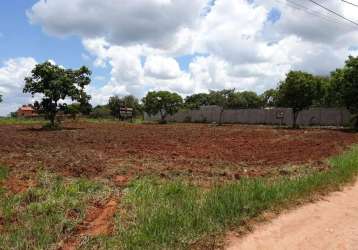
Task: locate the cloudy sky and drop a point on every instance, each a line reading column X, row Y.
column 187, row 46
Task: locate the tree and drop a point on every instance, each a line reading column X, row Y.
column 346, row 82
column 195, row 101
column 100, row 112
column 322, row 98
column 0, row 98
column 162, row 102
column 132, row 102
column 221, row 98
column 114, row 104
column 269, row 98
column 85, row 107
column 245, row 99
column 298, row 91
column 73, row 109
column 56, row 84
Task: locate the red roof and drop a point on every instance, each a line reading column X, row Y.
column 26, row 108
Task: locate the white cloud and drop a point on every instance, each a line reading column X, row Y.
column 12, row 74
column 152, row 22
column 161, row 67
column 234, row 42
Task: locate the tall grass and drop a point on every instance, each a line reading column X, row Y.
column 43, row 215
column 172, row 215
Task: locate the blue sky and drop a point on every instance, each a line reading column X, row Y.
column 20, row 38
column 183, row 46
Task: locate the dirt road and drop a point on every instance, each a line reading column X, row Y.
column 331, row 223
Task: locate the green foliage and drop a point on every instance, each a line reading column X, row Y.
column 172, row 215
column 56, row 84
column 129, row 101
column 345, row 81
column 85, row 107
column 163, row 102
column 4, row 171
column 227, row 98
column 220, row 98
column 132, row 102
column 114, row 104
column 298, row 91
column 269, row 98
column 195, row 101
column 245, row 99
column 100, row 112
column 39, row 218
column 0, row 98
column 324, row 97
column 20, row 121
column 72, row 109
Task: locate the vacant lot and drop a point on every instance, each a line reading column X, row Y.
column 65, row 189
column 195, row 151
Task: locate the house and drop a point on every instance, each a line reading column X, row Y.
column 26, row 111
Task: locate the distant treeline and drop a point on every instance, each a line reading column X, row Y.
column 299, row 91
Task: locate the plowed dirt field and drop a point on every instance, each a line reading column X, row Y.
column 197, row 151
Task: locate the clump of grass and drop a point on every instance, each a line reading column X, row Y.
column 4, row 171
column 172, row 215
column 43, row 215
column 20, row 121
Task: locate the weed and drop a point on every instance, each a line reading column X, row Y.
column 173, row 215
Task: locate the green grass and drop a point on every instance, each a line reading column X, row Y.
column 4, row 171
column 20, row 121
column 39, row 218
column 173, row 215
column 112, row 120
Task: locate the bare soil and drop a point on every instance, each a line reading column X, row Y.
column 121, row 152
column 16, row 185
column 98, row 221
column 331, row 223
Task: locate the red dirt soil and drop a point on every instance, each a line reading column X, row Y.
column 190, row 150
column 16, row 185
column 98, row 221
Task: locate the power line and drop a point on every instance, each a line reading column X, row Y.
column 350, row 3
column 332, row 11
column 316, row 14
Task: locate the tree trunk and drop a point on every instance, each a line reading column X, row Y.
column 221, row 116
column 52, row 120
column 162, row 117
column 295, row 116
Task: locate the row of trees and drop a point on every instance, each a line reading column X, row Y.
column 300, row 90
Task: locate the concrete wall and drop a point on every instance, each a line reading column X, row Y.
column 275, row 116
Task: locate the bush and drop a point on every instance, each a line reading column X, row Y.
column 100, row 112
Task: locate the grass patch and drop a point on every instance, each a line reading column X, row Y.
column 112, row 120
column 20, row 121
column 4, row 171
column 173, row 215
column 43, row 215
